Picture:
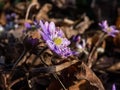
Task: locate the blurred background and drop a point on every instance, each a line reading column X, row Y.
column 96, row 10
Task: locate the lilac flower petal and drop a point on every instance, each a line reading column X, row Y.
column 67, row 52
column 57, row 50
column 116, row 31
column 42, row 26
column 43, row 35
column 50, row 44
column 66, row 42
column 110, row 30
column 105, row 25
column 113, row 30
column 52, row 27
column 60, row 32
column 46, row 25
column 113, row 26
column 111, row 34
column 113, row 87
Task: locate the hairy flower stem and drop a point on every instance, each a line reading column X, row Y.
column 19, row 59
column 90, row 57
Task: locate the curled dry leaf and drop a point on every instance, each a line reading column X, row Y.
column 90, row 76
column 33, row 3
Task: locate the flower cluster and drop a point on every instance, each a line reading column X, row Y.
column 110, row 30
column 11, row 22
column 55, row 39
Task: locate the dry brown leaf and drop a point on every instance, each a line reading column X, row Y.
column 2, row 19
column 21, row 5
column 116, row 41
column 82, row 85
column 82, row 26
column 34, row 34
column 65, row 3
column 114, row 67
column 43, row 13
column 89, row 75
column 77, row 85
column 69, row 32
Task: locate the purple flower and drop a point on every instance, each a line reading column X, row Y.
column 55, row 39
column 33, row 41
column 27, row 25
column 113, row 87
column 110, row 30
column 80, row 44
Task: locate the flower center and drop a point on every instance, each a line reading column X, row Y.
column 57, row 41
column 108, row 30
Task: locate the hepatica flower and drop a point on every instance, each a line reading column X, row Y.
column 80, row 44
column 110, row 30
column 55, row 39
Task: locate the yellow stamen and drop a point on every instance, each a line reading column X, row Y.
column 57, row 41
